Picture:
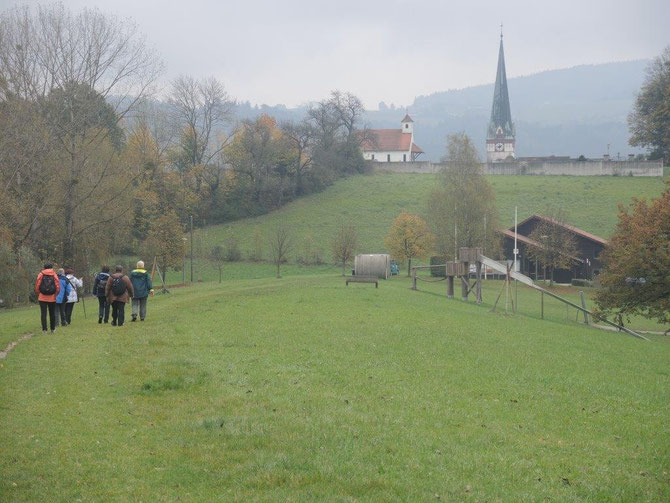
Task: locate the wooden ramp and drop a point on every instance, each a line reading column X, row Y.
column 502, row 268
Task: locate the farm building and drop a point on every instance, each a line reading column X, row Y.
column 392, row 145
column 585, row 264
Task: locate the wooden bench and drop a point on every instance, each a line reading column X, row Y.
column 362, row 279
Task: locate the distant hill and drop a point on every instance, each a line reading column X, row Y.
column 572, row 111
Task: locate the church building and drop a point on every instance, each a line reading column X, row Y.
column 392, row 145
column 501, row 135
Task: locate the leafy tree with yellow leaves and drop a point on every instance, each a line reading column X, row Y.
column 409, row 238
column 165, row 242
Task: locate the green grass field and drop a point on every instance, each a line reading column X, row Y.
column 302, row 389
column 371, row 202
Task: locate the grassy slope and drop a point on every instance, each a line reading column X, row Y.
column 304, row 389
column 372, row 202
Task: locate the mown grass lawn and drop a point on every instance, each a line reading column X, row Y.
column 371, row 202
column 302, row 389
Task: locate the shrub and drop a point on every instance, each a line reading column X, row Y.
column 232, row 252
column 256, row 251
column 438, row 272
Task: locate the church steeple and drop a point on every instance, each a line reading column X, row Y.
column 500, row 137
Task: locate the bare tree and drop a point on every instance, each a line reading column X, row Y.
column 338, row 132
column 344, row 245
column 461, row 209
column 201, row 108
column 86, row 72
column 217, row 255
column 26, row 152
column 281, row 244
column 300, row 137
column 558, row 246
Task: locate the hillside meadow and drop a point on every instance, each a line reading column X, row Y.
column 304, row 389
column 371, row 202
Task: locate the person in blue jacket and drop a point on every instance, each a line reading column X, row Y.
column 61, row 298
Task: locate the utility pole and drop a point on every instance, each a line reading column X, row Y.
column 191, row 248
column 484, row 247
column 516, row 252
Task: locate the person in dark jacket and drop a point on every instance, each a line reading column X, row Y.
column 47, row 288
column 118, row 298
column 61, row 299
column 142, row 288
column 100, row 291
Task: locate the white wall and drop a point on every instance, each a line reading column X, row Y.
column 382, row 156
column 570, row 168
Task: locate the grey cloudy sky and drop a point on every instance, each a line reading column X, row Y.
column 294, row 51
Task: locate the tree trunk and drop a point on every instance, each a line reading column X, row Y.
column 68, row 251
column 409, row 267
column 344, row 265
column 278, row 269
column 164, row 275
column 551, row 277
column 219, row 274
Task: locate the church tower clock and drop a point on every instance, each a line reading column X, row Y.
column 501, row 135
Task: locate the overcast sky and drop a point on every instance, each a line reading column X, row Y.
column 292, row 51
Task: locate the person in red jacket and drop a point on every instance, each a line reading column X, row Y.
column 47, row 288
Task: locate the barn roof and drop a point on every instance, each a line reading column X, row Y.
column 571, row 228
column 389, row 140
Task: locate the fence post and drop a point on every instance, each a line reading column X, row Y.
column 413, row 278
column 586, row 316
column 478, row 291
column 542, row 305
column 465, row 281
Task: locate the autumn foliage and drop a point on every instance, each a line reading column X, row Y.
column 636, row 276
column 409, row 238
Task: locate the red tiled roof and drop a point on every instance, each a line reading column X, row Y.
column 416, row 149
column 571, row 228
column 387, row 140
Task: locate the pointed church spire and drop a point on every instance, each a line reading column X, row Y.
column 501, row 117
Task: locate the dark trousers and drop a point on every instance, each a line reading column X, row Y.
column 60, row 314
column 68, row 312
column 103, row 308
column 51, row 306
column 118, row 312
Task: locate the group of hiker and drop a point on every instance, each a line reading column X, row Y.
column 57, row 294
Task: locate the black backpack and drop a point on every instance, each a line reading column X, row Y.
column 47, row 285
column 118, row 286
column 103, row 277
